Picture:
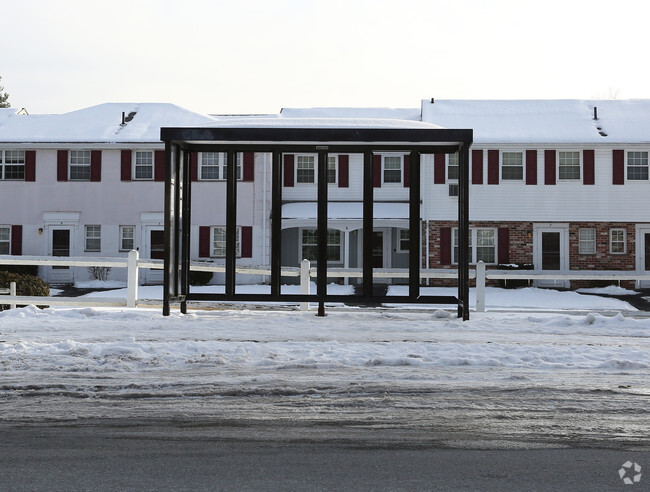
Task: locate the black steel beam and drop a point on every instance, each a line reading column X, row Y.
column 186, row 208
column 463, row 233
column 372, row 300
column 319, row 136
column 368, row 222
column 170, row 229
column 231, row 221
column 276, row 223
column 414, row 225
column 321, row 262
column 293, row 147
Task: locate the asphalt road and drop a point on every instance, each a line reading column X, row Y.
column 158, row 455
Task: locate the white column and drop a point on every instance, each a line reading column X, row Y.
column 480, row 287
column 133, row 273
column 346, row 254
column 305, row 282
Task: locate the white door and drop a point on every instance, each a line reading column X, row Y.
column 61, row 240
column 154, row 248
column 643, row 255
column 550, row 253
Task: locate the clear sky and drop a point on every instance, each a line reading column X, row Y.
column 257, row 56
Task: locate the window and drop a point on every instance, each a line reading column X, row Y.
column 637, row 166
column 93, row 238
column 144, row 164
column 404, row 242
column 5, row 240
column 127, row 238
column 12, row 164
column 80, row 165
column 331, row 169
column 587, row 241
column 617, row 241
column 213, row 166
column 309, row 245
column 392, row 168
column 305, row 168
column 452, row 167
column 219, row 241
column 512, row 166
column 482, row 245
column 569, row 165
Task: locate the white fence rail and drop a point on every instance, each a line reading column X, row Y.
column 133, row 263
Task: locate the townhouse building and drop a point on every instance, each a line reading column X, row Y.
column 555, row 186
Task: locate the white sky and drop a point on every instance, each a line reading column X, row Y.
column 257, row 56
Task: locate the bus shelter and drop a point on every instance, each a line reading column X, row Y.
column 277, row 137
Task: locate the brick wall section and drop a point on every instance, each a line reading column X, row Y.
column 521, row 248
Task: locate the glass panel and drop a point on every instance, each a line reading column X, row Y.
column 377, row 249
column 551, row 251
column 647, row 251
column 157, row 245
column 60, row 245
column 392, row 169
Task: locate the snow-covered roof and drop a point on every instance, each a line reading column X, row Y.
column 319, row 122
column 101, row 123
column 544, row 121
column 371, row 113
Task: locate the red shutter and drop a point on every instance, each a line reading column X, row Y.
column 445, row 245
column 493, row 167
column 249, row 166
column 376, row 171
column 126, row 165
column 588, row 166
column 288, row 170
column 194, row 166
column 504, row 245
column 477, row 167
column 16, row 240
column 246, row 242
column 531, row 167
column 549, row 167
column 62, row 165
column 407, row 170
column 159, row 165
column 204, row 242
column 30, row 165
column 95, row 165
column 618, row 167
column 344, row 171
column 439, row 171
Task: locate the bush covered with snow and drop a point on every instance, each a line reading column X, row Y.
column 26, row 285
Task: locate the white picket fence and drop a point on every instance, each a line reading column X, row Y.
column 306, row 272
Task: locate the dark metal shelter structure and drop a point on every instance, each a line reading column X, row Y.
column 276, row 140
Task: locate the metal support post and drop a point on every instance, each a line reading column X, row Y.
column 368, row 213
column 321, row 279
column 414, row 226
column 276, row 223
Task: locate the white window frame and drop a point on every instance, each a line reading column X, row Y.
column 635, row 166
column 622, row 241
column 521, row 167
column 332, row 166
column 587, row 240
column 137, row 166
column 220, row 251
column 400, row 239
column 332, row 245
column 562, row 167
column 93, row 232
column 219, row 162
column 473, row 245
column 79, row 165
column 384, row 169
column 124, row 237
column 5, row 231
column 10, row 155
column 453, row 161
column 304, row 161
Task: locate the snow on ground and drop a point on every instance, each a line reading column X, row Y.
column 213, row 351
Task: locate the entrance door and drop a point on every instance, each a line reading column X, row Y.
column 60, row 241
column 155, row 250
column 550, row 253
